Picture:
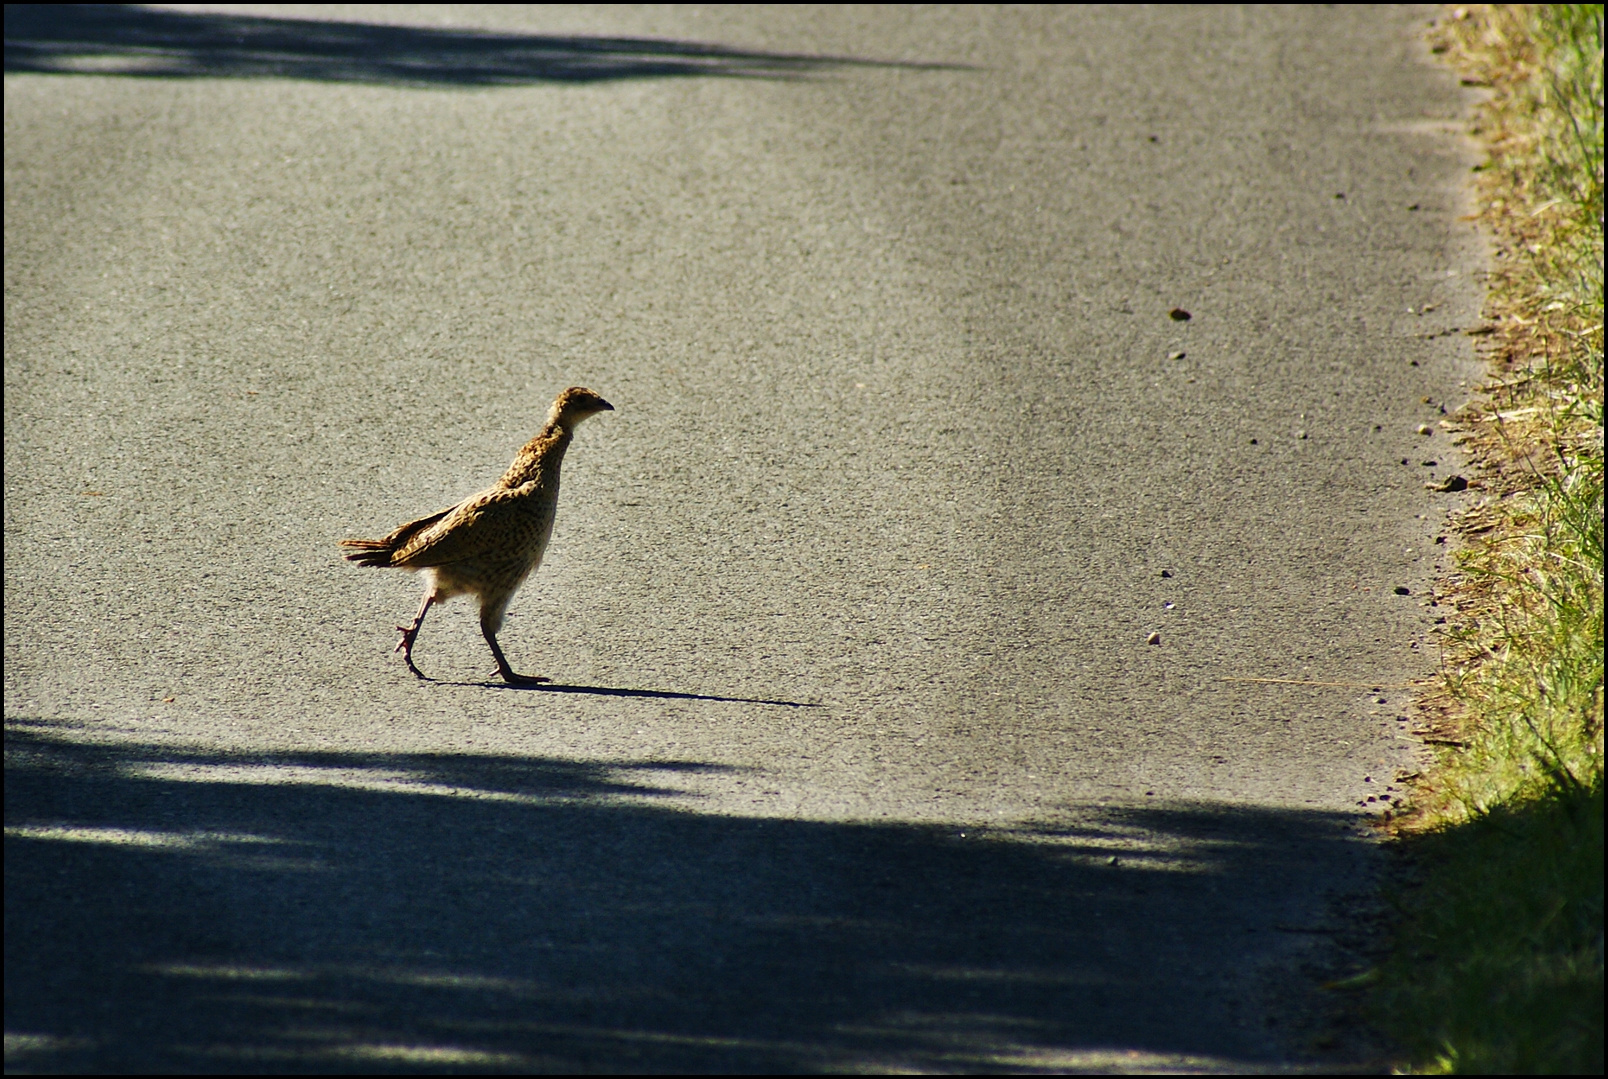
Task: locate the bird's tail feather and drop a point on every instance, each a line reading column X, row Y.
column 382, row 552
column 369, row 552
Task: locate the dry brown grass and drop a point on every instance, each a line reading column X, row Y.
column 1535, row 431
column 1498, row 960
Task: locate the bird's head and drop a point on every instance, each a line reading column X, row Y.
column 576, row 404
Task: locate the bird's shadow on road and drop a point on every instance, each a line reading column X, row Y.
column 620, row 691
column 139, row 41
column 191, row 910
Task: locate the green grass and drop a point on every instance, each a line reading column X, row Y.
column 1501, row 970
column 1498, row 964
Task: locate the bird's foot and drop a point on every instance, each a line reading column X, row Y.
column 405, row 646
column 509, row 675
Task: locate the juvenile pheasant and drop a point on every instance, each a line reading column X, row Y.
column 489, row 543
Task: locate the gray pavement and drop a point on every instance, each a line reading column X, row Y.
column 857, row 757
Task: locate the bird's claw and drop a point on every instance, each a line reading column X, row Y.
column 405, row 646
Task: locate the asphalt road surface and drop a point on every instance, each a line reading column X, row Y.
column 856, row 755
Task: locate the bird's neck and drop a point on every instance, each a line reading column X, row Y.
column 540, row 458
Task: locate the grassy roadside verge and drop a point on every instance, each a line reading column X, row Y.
column 1498, row 964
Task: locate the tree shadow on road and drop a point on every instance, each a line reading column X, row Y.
column 200, row 911
column 128, row 39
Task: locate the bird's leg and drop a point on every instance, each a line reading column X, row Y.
column 411, row 633
column 503, row 668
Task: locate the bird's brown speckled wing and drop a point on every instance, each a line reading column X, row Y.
column 377, row 553
column 405, row 534
column 488, row 523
